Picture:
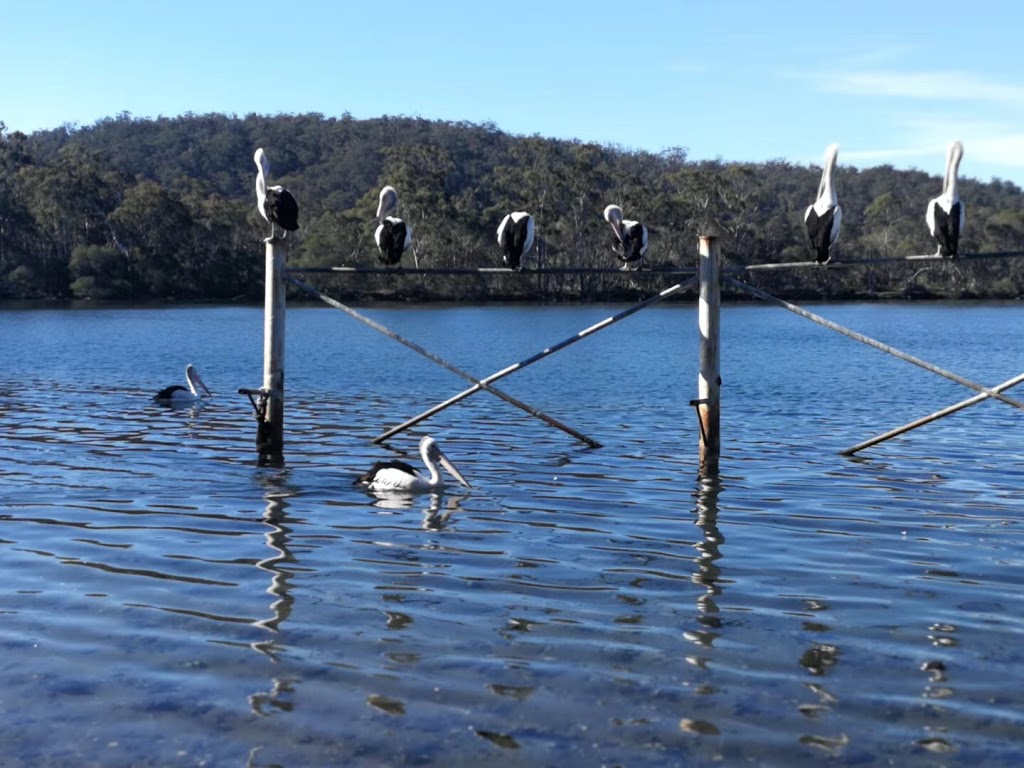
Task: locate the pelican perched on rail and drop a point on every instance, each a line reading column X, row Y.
column 395, row 475
column 275, row 204
column 196, row 389
column 515, row 236
column 630, row 237
column 945, row 214
column 823, row 218
column 393, row 236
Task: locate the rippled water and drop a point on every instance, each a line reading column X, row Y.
column 166, row 602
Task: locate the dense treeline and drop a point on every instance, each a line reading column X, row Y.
column 151, row 209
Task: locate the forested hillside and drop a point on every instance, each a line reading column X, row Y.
column 151, row 209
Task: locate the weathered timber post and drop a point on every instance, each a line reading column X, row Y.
column 708, row 380
column 270, row 433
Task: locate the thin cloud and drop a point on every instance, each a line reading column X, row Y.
column 924, row 86
column 992, row 152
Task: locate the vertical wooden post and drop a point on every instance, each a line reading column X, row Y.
column 709, row 381
column 270, row 438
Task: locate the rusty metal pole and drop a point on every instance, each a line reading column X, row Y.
column 709, row 380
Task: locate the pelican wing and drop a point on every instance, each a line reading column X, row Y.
column 382, row 470
column 822, row 230
column 393, row 236
column 634, row 241
column 168, row 393
column 945, row 226
column 282, row 209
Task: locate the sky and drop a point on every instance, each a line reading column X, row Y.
column 891, row 81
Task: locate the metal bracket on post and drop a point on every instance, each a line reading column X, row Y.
column 259, row 407
column 700, row 422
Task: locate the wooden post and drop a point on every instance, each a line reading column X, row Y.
column 270, row 434
column 709, row 381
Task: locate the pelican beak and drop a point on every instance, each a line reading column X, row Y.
column 453, row 471
column 202, row 384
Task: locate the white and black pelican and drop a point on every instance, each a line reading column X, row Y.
column 515, row 236
column 823, row 218
column 393, row 236
column 275, row 204
column 397, row 476
column 630, row 237
column 196, row 389
column 945, row 214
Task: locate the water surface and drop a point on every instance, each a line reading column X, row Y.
column 167, row 602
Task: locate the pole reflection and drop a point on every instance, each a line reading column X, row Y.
column 277, row 538
column 708, row 573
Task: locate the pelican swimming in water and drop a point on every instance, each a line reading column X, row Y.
column 945, row 214
column 275, row 204
column 822, row 219
column 393, row 236
column 196, row 389
column 515, row 236
column 630, row 237
column 395, row 475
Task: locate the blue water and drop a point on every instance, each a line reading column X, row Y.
column 166, row 602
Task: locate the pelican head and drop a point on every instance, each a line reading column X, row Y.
column 388, row 202
column 196, row 384
column 260, row 158
column 827, row 187
column 613, row 215
column 432, row 455
column 954, row 155
column 263, row 163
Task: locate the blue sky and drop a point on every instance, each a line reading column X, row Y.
column 892, row 82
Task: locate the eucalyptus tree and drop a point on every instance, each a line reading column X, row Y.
column 71, row 200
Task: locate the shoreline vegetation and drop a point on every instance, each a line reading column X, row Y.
column 162, row 210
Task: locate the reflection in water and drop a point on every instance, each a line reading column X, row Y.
column 437, row 508
column 708, row 572
column 819, row 658
column 937, row 690
column 277, row 539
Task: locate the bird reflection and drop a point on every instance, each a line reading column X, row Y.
column 437, row 508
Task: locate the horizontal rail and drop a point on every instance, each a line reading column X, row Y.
column 673, row 272
column 670, row 272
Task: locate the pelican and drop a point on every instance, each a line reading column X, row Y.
column 396, row 475
column 176, row 393
column 945, row 214
column 393, row 236
column 630, row 236
column 275, row 204
column 823, row 218
column 515, row 236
